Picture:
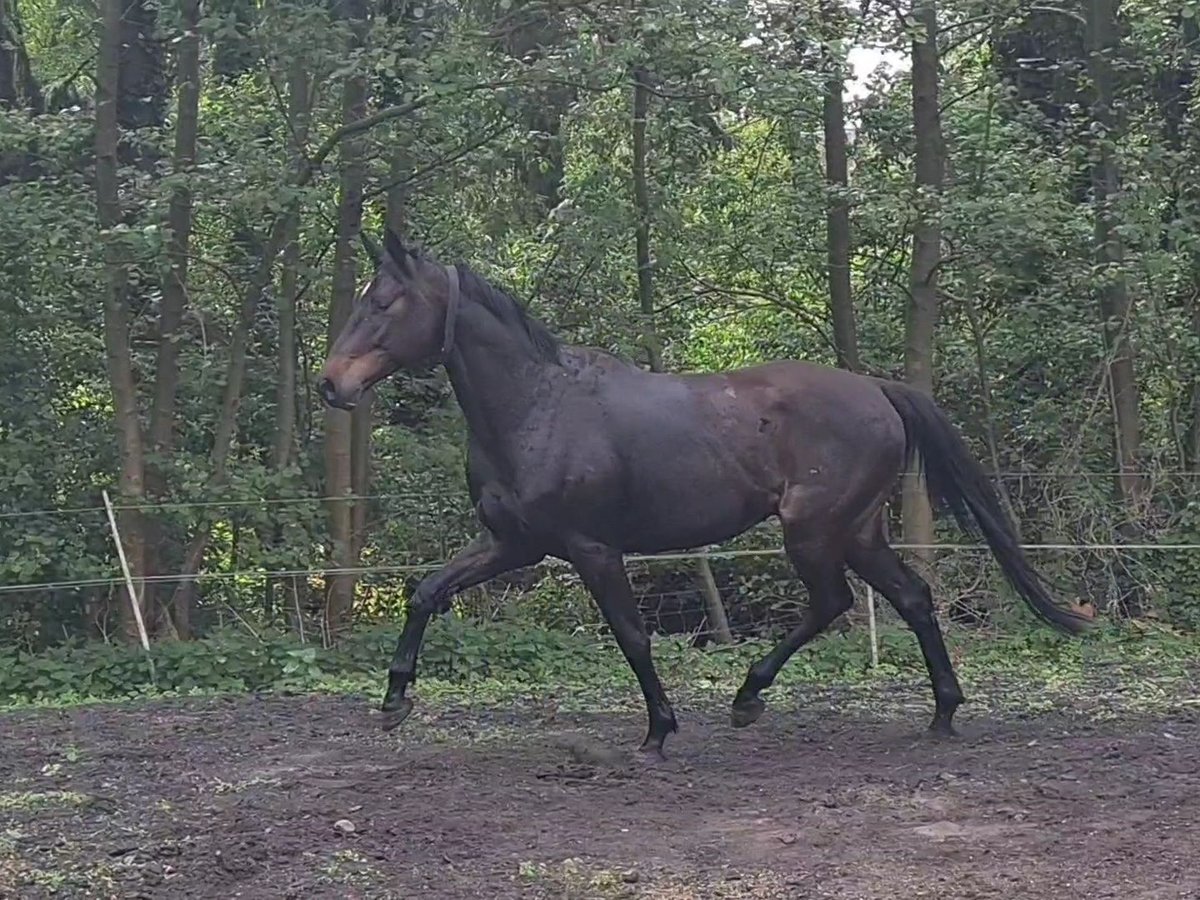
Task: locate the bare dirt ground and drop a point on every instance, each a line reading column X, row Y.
column 303, row 797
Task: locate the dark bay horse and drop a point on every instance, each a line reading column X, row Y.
column 578, row 455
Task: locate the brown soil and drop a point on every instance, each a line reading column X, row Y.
column 304, row 797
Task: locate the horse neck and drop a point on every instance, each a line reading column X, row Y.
column 495, row 374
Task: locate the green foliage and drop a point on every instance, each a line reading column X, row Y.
column 502, row 657
column 234, row 661
column 518, row 161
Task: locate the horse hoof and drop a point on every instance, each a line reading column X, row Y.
column 941, row 730
column 395, row 712
column 649, row 755
column 746, row 712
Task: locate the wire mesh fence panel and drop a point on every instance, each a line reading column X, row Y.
column 268, row 564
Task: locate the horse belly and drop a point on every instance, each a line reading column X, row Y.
column 681, row 516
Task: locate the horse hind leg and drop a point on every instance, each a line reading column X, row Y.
column 881, row 567
column 823, row 573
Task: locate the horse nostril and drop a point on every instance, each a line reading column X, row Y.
column 327, row 392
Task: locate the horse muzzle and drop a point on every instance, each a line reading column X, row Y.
column 336, row 398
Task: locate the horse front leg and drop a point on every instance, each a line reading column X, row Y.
column 483, row 559
column 602, row 569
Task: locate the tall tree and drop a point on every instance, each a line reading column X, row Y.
column 179, row 223
column 142, row 98
column 538, row 32
column 160, row 438
column 19, row 91
column 1183, row 133
column 1116, row 304
column 235, row 51
column 226, row 426
column 19, row 87
column 641, row 204
column 131, row 483
column 921, row 314
column 340, row 426
column 718, row 621
column 298, row 112
column 837, row 180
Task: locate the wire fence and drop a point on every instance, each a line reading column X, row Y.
column 430, row 567
column 229, row 502
column 235, row 502
column 959, row 576
column 424, row 567
column 761, row 603
column 455, row 505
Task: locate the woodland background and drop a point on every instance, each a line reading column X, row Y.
column 1009, row 217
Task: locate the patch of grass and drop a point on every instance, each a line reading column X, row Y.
column 1134, row 666
column 226, row 787
column 11, row 801
column 349, row 868
column 58, row 876
column 573, row 879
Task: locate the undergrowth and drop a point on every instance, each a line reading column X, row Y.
column 460, row 653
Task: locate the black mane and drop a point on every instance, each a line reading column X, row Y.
column 511, row 313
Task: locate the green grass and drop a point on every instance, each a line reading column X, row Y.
column 31, row 800
column 1135, row 666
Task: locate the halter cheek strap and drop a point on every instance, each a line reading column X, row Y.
column 452, row 305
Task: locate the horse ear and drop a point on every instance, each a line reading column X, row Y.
column 397, row 252
column 372, row 247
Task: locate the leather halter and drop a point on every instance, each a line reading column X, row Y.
column 452, row 306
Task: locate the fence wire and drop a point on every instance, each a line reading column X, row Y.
column 233, row 502
column 230, row 502
column 423, row 567
column 112, row 578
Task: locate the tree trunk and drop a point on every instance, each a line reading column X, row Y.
column 284, row 443
column 837, row 215
column 641, row 203
column 1182, row 135
column 977, row 340
column 1192, row 446
column 1193, row 443
column 985, row 402
column 283, row 451
column 235, row 51
column 179, row 221
column 922, row 312
column 131, row 483
column 1116, row 305
column 718, row 621
column 362, row 421
column 142, row 96
column 19, row 89
column 160, row 437
column 340, row 426
column 540, row 111
column 225, row 430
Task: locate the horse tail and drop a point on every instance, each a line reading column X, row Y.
column 955, row 479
